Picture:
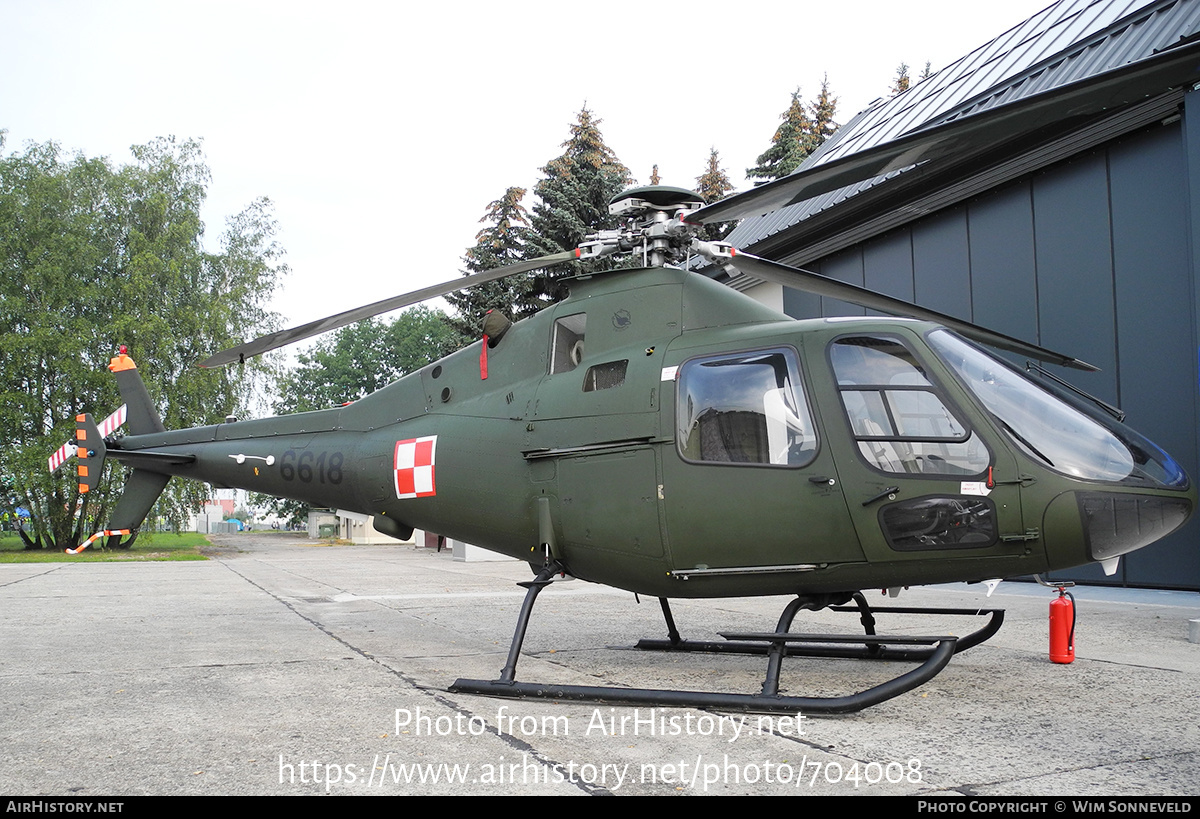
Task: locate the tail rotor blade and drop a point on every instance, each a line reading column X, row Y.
column 107, row 427
column 61, row 455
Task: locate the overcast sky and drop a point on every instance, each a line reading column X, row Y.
column 382, row 130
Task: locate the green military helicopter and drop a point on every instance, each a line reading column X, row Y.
column 664, row 434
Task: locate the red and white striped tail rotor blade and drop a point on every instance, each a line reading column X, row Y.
column 58, row 458
column 107, row 427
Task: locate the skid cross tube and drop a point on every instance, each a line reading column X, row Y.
column 933, row 652
column 880, row 650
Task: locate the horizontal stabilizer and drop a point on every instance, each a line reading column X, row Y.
column 149, row 459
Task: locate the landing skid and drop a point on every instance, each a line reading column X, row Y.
column 933, row 653
column 854, row 646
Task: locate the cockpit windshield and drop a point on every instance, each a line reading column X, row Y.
column 1067, row 438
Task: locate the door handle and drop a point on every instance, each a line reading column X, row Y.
column 889, row 493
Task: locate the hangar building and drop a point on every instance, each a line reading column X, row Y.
column 1087, row 242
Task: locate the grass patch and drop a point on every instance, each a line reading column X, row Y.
column 150, row 546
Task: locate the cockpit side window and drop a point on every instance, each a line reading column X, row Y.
column 897, row 414
column 746, row 408
column 567, row 348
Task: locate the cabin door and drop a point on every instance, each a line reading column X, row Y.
column 750, row 481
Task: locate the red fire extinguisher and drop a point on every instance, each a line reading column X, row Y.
column 1062, row 628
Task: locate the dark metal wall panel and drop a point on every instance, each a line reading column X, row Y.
column 1074, row 269
column 1155, row 353
column 1003, row 281
column 846, row 266
column 942, row 263
column 888, row 266
column 801, row 305
column 1190, row 127
column 1189, row 565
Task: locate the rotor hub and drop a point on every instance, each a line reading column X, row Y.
column 655, row 225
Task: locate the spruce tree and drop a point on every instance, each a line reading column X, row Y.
column 902, row 81
column 823, row 110
column 502, row 242
column 573, row 195
column 790, row 145
column 714, row 185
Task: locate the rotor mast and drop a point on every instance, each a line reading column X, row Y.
column 656, row 223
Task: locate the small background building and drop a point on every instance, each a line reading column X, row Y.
column 323, row 523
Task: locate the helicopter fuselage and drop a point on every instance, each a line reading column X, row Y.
column 662, row 433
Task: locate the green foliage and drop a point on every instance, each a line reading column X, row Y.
column 241, row 513
column 823, row 110
column 902, row 81
column 363, row 357
column 502, row 242
column 804, row 129
column 159, row 547
column 293, row 512
column 93, row 255
column 789, row 145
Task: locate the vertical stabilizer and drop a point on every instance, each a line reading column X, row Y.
column 143, row 486
column 143, row 417
column 141, row 491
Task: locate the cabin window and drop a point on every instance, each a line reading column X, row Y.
column 567, row 349
column 747, row 408
column 939, row 523
column 1078, row 441
column 605, row 376
column 896, row 413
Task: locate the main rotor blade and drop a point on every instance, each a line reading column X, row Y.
column 282, row 338
column 834, row 289
column 1056, row 110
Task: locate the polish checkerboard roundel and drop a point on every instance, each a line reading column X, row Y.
column 414, row 467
